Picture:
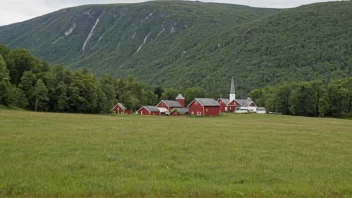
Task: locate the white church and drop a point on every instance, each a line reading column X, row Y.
column 238, row 105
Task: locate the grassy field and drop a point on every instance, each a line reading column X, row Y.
column 70, row 155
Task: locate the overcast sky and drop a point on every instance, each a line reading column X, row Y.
column 12, row 11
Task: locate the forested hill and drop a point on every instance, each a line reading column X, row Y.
column 192, row 43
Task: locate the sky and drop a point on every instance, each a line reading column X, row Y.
column 12, row 11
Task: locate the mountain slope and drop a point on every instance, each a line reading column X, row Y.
column 193, row 43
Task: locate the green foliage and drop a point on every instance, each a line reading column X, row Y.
column 177, row 46
column 17, row 97
column 20, row 61
column 59, row 90
column 308, row 98
column 40, row 94
column 4, row 82
column 4, row 51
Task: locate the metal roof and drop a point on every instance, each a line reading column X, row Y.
column 209, row 102
column 261, row 109
column 180, row 97
column 227, row 101
column 244, row 102
column 182, row 111
column 163, row 110
column 152, row 108
column 122, row 106
column 172, row 103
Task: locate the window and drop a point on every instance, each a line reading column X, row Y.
column 206, row 110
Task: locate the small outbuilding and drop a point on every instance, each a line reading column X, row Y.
column 227, row 105
column 149, row 110
column 204, row 107
column 179, row 112
column 120, row 109
column 169, row 104
column 247, row 104
column 163, row 111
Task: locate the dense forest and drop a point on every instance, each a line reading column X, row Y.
column 315, row 98
column 186, row 44
column 30, row 83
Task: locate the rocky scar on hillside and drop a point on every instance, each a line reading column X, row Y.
column 195, row 44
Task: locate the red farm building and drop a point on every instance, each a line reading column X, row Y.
column 228, row 106
column 169, row 104
column 120, row 109
column 174, row 107
column 149, row 110
column 204, row 107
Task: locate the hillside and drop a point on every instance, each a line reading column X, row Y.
column 192, row 43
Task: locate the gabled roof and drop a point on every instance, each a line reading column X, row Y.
column 151, row 108
column 207, row 102
column 122, row 107
column 244, row 102
column 172, row 103
column 225, row 100
column 180, row 97
column 163, row 110
column 182, row 111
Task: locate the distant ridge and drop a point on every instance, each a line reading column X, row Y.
column 181, row 43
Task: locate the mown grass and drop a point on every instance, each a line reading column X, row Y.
column 71, row 155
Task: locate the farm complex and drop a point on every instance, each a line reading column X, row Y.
column 198, row 107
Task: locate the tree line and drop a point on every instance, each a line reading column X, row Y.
column 30, row 83
column 314, row 98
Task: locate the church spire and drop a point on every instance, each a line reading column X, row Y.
column 232, row 90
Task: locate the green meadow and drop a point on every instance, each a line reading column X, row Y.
column 73, row 155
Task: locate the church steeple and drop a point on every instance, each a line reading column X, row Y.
column 232, row 91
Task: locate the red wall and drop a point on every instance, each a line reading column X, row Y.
column 232, row 106
column 252, row 105
column 163, row 105
column 222, row 105
column 204, row 111
column 119, row 110
column 212, row 111
column 194, row 108
column 182, row 102
column 146, row 112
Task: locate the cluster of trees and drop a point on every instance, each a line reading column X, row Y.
column 28, row 82
column 315, row 98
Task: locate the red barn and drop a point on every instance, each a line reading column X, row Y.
column 231, row 106
column 120, row 109
column 223, row 104
column 149, row 110
column 169, row 104
column 204, row 107
column 228, row 106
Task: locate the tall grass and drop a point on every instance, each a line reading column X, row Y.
column 72, row 155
